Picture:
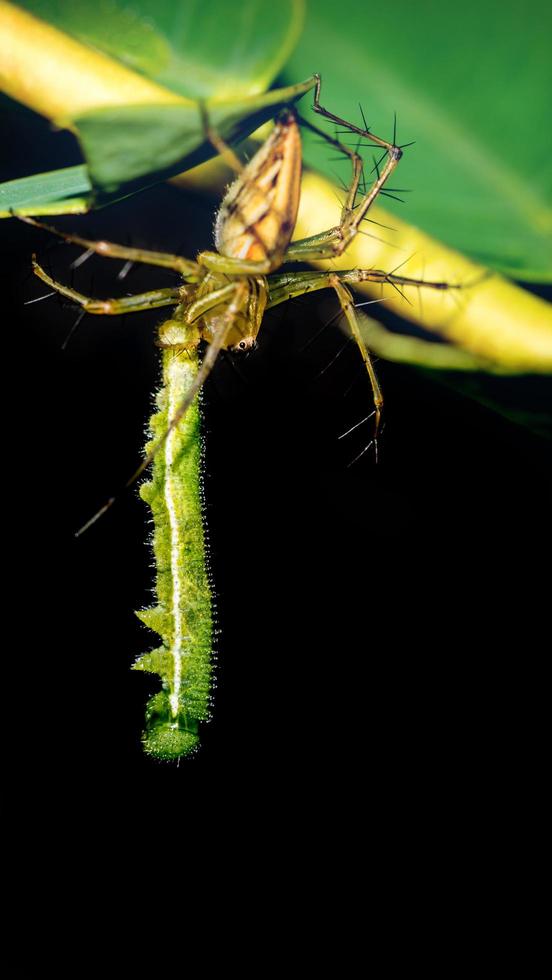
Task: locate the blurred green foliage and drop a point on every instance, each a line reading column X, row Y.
column 198, row 48
column 471, row 83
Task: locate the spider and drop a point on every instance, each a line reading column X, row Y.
column 224, row 293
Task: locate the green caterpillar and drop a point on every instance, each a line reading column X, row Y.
column 183, row 614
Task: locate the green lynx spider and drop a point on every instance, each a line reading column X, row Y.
column 222, row 300
column 224, row 294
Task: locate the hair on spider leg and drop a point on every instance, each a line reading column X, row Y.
column 365, row 124
column 370, row 302
column 362, row 182
column 380, row 224
column 81, row 259
column 320, row 331
column 400, row 265
column 359, row 372
column 373, row 442
column 400, row 292
column 376, row 168
column 73, row 329
column 334, row 358
column 357, row 425
column 37, row 299
column 123, row 273
column 376, row 238
column 392, row 197
column 340, row 181
column 338, row 199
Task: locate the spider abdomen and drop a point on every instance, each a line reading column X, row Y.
column 258, row 214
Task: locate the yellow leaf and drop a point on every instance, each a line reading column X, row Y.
column 489, row 317
column 61, row 78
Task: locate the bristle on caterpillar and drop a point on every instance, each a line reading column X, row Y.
column 183, row 614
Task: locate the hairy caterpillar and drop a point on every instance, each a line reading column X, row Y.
column 182, row 615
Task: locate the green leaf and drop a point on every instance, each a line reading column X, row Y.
column 140, row 144
column 56, row 192
column 471, row 84
column 150, row 142
column 199, row 48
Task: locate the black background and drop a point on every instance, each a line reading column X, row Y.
column 381, row 625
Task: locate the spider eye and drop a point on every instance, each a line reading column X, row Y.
column 245, row 344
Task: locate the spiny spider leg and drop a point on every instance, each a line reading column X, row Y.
column 350, row 127
column 348, row 307
column 287, row 289
column 288, row 286
column 356, row 163
column 111, row 250
column 334, row 241
column 112, row 307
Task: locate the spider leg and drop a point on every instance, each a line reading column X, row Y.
column 347, row 305
column 356, row 162
column 111, row 250
column 112, row 307
column 395, row 347
column 234, row 267
column 334, row 241
column 229, row 156
column 284, row 286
